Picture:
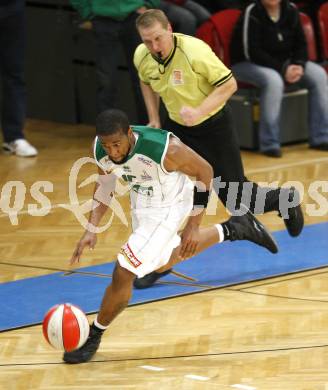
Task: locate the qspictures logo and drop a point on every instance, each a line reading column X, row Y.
column 13, row 195
column 109, row 189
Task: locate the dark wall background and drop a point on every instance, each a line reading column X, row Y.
column 60, row 72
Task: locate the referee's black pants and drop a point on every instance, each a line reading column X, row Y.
column 216, row 141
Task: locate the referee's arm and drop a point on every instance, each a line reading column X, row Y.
column 151, row 99
column 218, row 97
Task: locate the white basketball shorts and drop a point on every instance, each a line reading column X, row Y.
column 154, row 236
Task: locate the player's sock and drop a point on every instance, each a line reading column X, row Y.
column 221, row 231
column 98, row 326
column 225, row 232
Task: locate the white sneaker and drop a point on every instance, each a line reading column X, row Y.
column 20, row 147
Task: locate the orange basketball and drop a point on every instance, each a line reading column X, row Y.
column 65, row 327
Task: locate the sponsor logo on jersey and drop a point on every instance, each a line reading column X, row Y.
column 129, row 255
column 145, row 191
column 177, row 77
column 145, row 176
column 126, row 168
column 145, row 161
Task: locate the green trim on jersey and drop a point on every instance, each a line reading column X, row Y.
column 100, row 151
column 151, row 143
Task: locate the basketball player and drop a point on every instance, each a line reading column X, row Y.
column 156, row 165
column 194, row 86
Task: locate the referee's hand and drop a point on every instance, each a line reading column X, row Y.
column 189, row 115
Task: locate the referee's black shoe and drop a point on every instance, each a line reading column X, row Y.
column 247, row 227
column 150, row 279
column 85, row 353
column 294, row 220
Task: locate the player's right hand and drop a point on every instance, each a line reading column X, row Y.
column 88, row 239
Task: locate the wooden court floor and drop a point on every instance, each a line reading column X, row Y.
column 265, row 335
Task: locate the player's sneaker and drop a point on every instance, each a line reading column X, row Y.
column 247, row 227
column 20, row 147
column 149, row 279
column 294, row 221
column 85, row 353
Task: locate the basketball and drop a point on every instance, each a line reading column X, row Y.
column 65, row 327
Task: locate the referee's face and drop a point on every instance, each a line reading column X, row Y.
column 158, row 39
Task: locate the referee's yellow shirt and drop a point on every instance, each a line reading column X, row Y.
column 186, row 78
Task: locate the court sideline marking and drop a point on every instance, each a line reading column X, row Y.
column 287, row 165
column 205, row 355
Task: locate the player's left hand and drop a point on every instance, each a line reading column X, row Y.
column 189, row 115
column 190, row 238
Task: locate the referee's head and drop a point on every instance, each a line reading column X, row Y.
column 150, row 17
column 156, row 33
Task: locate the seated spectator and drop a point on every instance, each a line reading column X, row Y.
column 185, row 15
column 269, row 50
column 13, row 105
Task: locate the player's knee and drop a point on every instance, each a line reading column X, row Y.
column 122, row 277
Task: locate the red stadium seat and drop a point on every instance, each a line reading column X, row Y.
column 224, row 23
column 323, row 29
column 217, row 32
column 208, row 34
column 309, row 36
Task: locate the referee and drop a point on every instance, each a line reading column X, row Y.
column 194, row 86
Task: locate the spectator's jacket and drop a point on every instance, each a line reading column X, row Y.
column 258, row 39
column 115, row 9
column 9, row 7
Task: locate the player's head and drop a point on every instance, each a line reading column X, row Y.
column 156, row 32
column 115, row 134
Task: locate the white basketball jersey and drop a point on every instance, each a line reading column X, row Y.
column 151, row 185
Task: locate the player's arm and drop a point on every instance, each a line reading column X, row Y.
column 219, row 96
column 101, row 198
column 100, row 206
column 181, row 158
column 151, row 99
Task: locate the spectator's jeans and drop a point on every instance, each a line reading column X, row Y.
column 12, row 50
column 111, row 35
column 185, row 18
column 272, row 87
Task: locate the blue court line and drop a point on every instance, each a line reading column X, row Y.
column 24, row 302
